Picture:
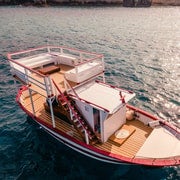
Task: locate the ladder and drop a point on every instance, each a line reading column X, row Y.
column 76, row 118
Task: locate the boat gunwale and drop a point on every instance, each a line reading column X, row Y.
column 167, row 161
column 9, row 57
column 171, row 161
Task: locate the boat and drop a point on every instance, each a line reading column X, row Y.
column 64, row 90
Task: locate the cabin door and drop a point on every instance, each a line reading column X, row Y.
column 97, row 125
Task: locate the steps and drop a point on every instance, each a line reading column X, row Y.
column 77, row 119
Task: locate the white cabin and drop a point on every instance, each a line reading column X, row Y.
column 102, row 107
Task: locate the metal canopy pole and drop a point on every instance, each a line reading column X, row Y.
column 32, row 102
column 52, row 113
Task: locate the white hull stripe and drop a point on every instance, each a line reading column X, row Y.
column 81, row 149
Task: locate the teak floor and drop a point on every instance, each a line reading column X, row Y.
column 58, row 77
column 129, row 148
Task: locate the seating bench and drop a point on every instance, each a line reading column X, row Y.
column 37, row 60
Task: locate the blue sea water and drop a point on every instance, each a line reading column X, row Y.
column 142, row 53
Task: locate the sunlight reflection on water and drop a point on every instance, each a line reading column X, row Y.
column 141, row 48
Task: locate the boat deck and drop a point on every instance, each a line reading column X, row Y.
column 128, row 149
column 58, row 77
column 45, row 75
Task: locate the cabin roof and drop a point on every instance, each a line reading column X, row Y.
column 103, row 96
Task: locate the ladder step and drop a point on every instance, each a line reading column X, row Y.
column 75, row 112
column 81, row 128
column 66, row 107
column 94, row 141
column 82, row 131
column 78, row 120
column 79, row 125
column 75, row 120
column 92, row 136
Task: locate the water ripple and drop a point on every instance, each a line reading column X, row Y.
column 141, row 49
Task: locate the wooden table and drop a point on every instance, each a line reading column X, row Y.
column 120, row 141
column 49, row 69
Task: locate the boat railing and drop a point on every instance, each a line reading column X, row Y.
column 43, row 87
column 23, row 62
column 73, row 51
column 29, row 52
column 81, row 57
column 93, row 62
column 81, row 54
column 69, row 88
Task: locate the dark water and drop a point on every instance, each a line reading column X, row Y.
column 142, row 53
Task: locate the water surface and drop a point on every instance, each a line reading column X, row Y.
column 142, row 53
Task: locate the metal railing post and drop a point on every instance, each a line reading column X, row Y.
column 52, row 113
column 80, row 57
column 26, row 76
column 48, row 49
column 61, row 50
column 32, row 103
column 46, row 86
column 86, row 137
column 50, row 85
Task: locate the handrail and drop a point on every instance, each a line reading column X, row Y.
column 89, row 60
column 51, row 47
column 171, row 126
column 71, row 87
column 141, row 111
column 25, row 67
column 72, row 109
column 74, row 49
column 25, row 51
column 69, row 105
column 36, row 82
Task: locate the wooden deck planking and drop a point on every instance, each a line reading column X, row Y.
column 45, row 116
column 129, row 148
column 38, row 102
column 58, row 77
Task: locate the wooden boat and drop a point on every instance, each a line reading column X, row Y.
column 65, row 92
